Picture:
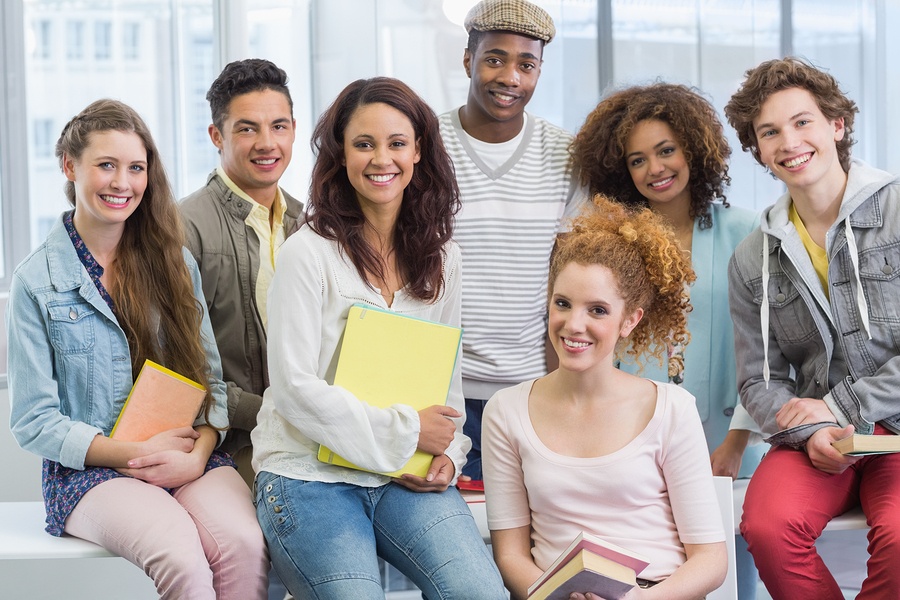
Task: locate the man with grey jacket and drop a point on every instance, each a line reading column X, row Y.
column 814, row 296
column 235, row 226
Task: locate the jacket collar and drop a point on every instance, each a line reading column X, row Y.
column 239, row 207
column 860, row 203
column 62, row 258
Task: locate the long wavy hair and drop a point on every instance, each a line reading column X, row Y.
column 599, row 148
column 430, row 201
column 650, row 269
column 782, row 74
column 150, row 285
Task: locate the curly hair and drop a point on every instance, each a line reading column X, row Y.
column 242, row 77
column 781, row 74
column 430, row 201
column 598, row 151
column 151, row 285
column 651, row 270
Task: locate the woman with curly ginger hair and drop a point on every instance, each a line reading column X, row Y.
column 663, row 146
column 588, row 444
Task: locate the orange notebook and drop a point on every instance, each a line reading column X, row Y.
column 160, row 399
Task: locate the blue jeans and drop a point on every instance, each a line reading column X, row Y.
column 324, row 540
column 472, row 428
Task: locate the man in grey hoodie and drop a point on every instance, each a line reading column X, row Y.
column 815, row 299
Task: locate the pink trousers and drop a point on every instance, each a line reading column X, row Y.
column 787, row 506
column 201, row 542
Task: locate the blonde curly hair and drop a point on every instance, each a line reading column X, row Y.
column 651, row 271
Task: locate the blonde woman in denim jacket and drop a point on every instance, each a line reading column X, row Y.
column 814, row 297
column 110, row 287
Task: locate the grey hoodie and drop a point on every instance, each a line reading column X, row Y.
column 796, row 341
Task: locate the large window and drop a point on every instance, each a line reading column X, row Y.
column 161, row 55
column 162, row 74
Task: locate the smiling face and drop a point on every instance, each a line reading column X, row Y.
column 380, row 154
column 657, row 164
column 255, row 142
column 109, row 178
column 587, row 317
column 798, row 143
column 504, row 71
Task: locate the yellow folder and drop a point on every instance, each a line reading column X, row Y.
column 386, row 359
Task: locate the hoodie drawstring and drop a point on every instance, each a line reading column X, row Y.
column 764, row 309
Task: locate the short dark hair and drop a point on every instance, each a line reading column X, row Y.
column 242, row 77
column 782, row 74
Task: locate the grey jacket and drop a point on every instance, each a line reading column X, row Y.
column 227, row 251
column 791, row 340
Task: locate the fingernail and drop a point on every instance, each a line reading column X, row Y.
column 430, row 477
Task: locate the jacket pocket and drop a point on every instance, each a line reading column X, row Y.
column 789, row 317
column 71, row 326
column 879, row 271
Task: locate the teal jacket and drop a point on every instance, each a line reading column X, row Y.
column 709, row 364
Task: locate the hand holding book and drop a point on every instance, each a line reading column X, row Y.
column 861, row 445
column 589, row 565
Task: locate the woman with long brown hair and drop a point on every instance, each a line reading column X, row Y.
column 382, row 201
column 110, row 288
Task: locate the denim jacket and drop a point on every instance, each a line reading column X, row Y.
column 69, row 361
column 843, row 347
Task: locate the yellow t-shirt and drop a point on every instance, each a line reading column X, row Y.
column 817, row 254
column 270, row 239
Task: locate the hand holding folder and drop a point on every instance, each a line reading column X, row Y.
column 387, row 358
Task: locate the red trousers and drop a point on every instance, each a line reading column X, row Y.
column 788, row 504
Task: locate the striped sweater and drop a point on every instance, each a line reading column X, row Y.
column 509, row 219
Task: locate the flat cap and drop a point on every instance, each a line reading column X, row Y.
column 517, row 16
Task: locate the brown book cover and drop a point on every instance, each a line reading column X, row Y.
column 160, row 399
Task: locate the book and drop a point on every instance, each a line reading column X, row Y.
column 386, row 358
column 473, row 485
column 600, row 570
column 160, row 399
column 859, row 444
column 587, row 572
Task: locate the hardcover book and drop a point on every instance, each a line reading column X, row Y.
column 387, row 358
column 589, row 564
column 160, row 399
column 859, row 444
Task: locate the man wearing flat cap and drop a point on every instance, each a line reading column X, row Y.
column 517, row 192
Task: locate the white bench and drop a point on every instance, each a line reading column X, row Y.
column 23, row 535
column 35, row 564
column 853, row 519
